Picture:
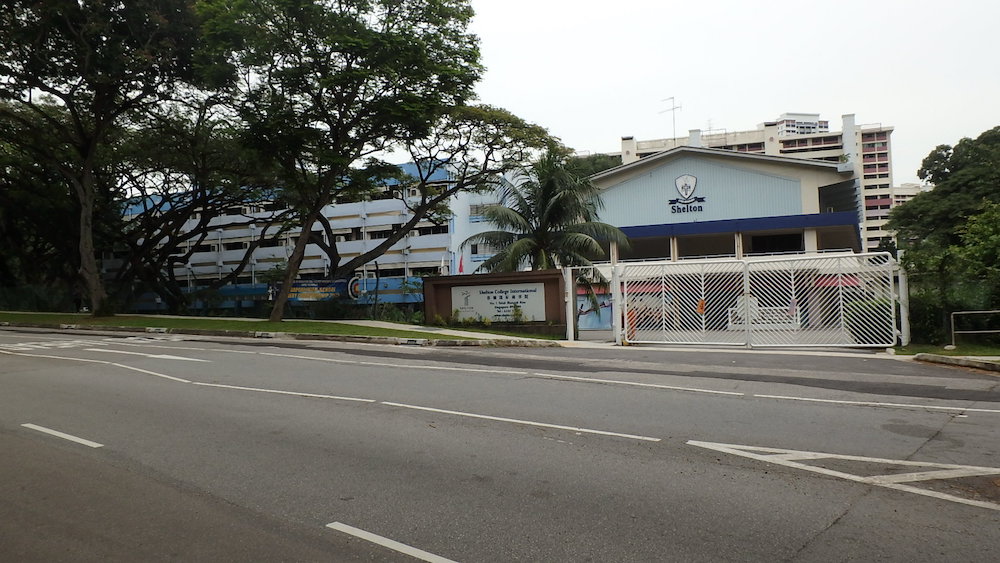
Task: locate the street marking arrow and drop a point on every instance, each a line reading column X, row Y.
column 791, row 458
column 155, row 356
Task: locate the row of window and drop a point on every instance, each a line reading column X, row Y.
column 879, row 136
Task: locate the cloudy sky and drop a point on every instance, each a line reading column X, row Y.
column 593, row 71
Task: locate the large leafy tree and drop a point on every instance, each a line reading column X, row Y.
column 186, row 168
column 547, row 218
column 327, row 85
column 80, row 67
column 964, row 176
column 945, row 232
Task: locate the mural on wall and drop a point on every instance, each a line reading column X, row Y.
column 591, row 318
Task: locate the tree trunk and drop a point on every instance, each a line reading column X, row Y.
column 294, row 262
column 90, row 272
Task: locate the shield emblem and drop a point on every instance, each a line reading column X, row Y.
column 685, row 185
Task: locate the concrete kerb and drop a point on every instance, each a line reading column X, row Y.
column 988, row 364
column 391, row 340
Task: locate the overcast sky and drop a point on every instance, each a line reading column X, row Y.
column 593, row 71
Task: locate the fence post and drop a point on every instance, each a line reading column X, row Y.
column 904, row 302
column 569, row 294
column 617, row 304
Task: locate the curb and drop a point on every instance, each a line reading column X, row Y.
column 391, row 340
column 958, row 361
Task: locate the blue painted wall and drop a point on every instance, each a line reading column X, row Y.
column 730, row 192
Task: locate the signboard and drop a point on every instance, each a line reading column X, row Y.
column 500, row 302
column 317, row 290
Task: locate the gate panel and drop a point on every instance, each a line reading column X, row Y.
column 823, row 301
column 682, row 302
column 845, row 300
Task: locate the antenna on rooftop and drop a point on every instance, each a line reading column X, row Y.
column 673, row 116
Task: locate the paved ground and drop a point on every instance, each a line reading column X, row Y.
column 488, row 454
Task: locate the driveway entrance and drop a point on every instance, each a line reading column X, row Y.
column 824, row 300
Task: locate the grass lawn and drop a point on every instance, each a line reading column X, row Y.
column 298, row 326
column 960, row 350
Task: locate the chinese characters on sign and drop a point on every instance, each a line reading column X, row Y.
column 500, row 303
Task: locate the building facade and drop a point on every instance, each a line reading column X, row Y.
column 693, row 201
column 868, row 148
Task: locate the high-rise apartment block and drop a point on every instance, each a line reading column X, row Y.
column 804, row 135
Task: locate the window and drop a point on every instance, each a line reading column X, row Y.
column 373, row 235
column 476, row 213
column 433, row 230
column 234, row 245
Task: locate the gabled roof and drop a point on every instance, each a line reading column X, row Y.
column 661, row 157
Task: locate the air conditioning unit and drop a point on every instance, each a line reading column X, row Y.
column 341, row 238
column 406, row 251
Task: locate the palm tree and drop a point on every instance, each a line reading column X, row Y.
column 546, row 219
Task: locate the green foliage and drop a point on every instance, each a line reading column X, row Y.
column 951, row 234
column 547, row 220
column 516, row 315
column 273, row 275
column 81, row 68
column 589, row 165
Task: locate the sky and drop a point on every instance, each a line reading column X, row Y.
column 594, row 71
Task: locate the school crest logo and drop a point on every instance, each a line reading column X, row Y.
column 686, row 185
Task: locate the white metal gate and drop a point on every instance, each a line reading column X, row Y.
column 824, row 300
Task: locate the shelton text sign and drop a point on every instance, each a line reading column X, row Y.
column 499, row 302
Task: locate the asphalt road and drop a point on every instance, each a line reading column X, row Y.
column 197, row 449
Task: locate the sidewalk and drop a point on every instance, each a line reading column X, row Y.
column 439, row 336
column 989, row 363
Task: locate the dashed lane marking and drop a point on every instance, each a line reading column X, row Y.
column 387, row 543
column 63, row 435
column 153, row 356
column 524, row 422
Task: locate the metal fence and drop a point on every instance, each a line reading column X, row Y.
column 992, row 315
column 842, row 300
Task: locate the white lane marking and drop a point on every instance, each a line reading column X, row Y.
column 524, row 422
column 63, row 435
column 280, row 392
column 104, row 362
column 154, row 356
column 877, row 404
column 387, row 364
column 55, row 357
column 790, row 458
column 635, row 384
column 146, row 371
column 386, row 542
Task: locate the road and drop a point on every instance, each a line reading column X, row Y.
column 163, row 447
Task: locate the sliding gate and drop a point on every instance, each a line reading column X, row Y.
column 824, row 300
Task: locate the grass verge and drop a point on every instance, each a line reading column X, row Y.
column 198, row 323
column 960, row 350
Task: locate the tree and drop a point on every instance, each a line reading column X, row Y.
column 592, row 164
column 81, row 67
column 186, row 167
column 326, row 85
column 979, row 252
column 470, row 148
column 964, row 176
column 934, row 230
column 546, row 219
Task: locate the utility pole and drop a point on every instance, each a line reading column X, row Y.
column 673, row 116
